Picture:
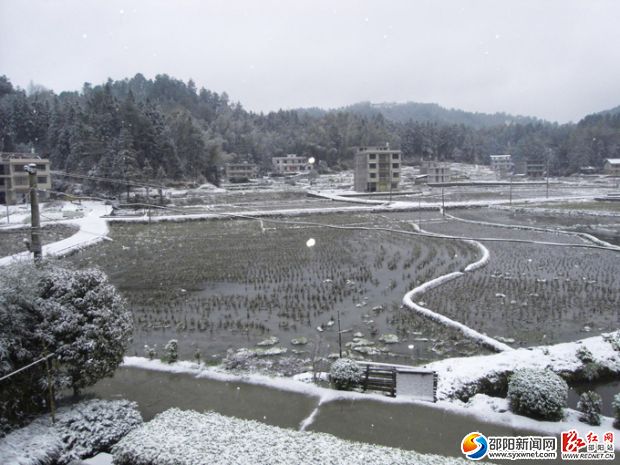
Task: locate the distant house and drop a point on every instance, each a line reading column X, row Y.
column 437, row 172
column 14, row 183
column 290, row 164
column 501, row 164
column 377, row 169
column 240, row 171
column 535, row 168
column 612, row 166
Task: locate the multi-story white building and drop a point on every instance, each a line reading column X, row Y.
column 290, row 164
column 501, row 164
column 377, row 169
column 438, row 172
column 241, row 171
column 14, row 184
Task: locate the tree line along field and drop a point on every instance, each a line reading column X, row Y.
column 534, row 294
column 215, row 285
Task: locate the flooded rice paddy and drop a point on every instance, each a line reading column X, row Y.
column 227, row 284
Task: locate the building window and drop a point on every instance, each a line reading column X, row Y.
column 41, row 167
column 373, row 175
column 395, row 175
column 372, row 156
column 395, row 156
column 21, row 181
column 395, row 165
column 372, row 166
column 41, row 179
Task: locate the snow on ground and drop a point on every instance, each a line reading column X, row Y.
column 187, row 437
column 93, row 229
column 463, row 375
column 454, row 375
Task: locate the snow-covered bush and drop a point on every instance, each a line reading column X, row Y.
column 584, row 354
column 538, row 394
column 171, row 351
column 94, row 426
column 590, row 407
column 345, row 373
column 81, row 431
column 150, row 352
column 86, row 321
column 76, row 315
column 188, row 438
column 614, row 340
column 615, row 404
column 590, row 369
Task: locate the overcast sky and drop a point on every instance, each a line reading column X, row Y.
column 554, row 59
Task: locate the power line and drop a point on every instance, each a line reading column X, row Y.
column 123, row 182
column 27, row 366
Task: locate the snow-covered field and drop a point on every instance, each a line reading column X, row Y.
column 459, row 378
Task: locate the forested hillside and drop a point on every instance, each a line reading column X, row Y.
column 164, row 128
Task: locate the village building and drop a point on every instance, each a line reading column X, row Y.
column 14, row 183
column 377, row 169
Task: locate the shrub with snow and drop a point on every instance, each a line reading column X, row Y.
column 189, row 438
column 614, row 340
column 75, row 314
column 539, row 394
column 345, row 373
column 150, row 352
column 615, row 404
column 171, row 351
column 591, row 369
column 81, row 431
column 94, row 426
column 590, row 407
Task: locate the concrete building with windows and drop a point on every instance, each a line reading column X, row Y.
column 241, row 171
column 501, row 164
column 535, row 168
column 14, row 184
column 290, row 164
column 612, row 166
column 377, row 169
column 436, row 172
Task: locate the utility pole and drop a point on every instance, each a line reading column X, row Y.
column 35, row 220
column 443, row 203
column 339, row 336
column 547, row 172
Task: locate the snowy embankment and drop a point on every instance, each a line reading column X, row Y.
column 417, row 204
column 93, row 229
column 417, row 292
column 470, row 333
column 189, row 438
column 455, row 376
column 465, row 376
column 584, row 236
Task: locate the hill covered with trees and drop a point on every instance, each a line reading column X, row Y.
column 166, row 129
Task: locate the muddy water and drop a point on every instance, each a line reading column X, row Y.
column 414, row 427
